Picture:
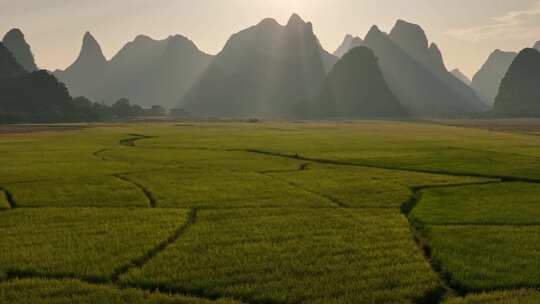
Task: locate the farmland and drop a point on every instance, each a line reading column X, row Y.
column 271, row 212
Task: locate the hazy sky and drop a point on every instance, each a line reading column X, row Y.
column 466, row 30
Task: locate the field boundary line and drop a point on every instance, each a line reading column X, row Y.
column 472, row 224
column 502, row 178
column 416, row 192
column 99, row 156
column 9, row 197
column 329, row 198
column 131, row 141
column 421, row 241
column 423, row 246
column 152, row 201
column 191, row 219
column 13, row 277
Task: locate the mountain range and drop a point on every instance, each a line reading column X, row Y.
column 487, row 81
column 416, row 74
column 145, row 71
column 273, row 70
column 267, row 70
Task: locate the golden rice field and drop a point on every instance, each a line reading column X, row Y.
column 271, row 213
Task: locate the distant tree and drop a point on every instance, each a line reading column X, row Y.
column 122, row 108
column 158, row 110
column 35, row 97
column 178, row 112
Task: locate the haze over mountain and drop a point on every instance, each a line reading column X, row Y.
column 416, row 74
column 459, row 75
column 349, row 42
column 412, row 38
column 355, row 88
column 487, row 80
column 266, row 70
column 519, row 94
column 146, row 71
column 537, row 45
column 15, row 42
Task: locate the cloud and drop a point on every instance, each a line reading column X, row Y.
column 514, row 25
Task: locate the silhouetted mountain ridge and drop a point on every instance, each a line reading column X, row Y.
column 459, row 75
column 412, row 38
column 487, row 80
column 145, row 70
column 423, row 86
column 355, row 88
column 85, row 76
column 265, row 70
column 349, row 42
column 519, row 94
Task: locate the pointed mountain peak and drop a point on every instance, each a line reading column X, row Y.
column 409, row 34
column 434, row 47
column 402, row 25
column 499, row 53
column 356, row 41
column 175, row 42
column 14, row 33
column 89, row 42
column 374, row 33
column 143, row 38
column 437, row 56
column 177, row 37
column 350, row 42
column 90, row 54
column 296, row 21
column 344, row 47
column 14, row 40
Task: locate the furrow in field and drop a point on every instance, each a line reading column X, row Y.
column 333, row 200
column 416, row 196
column 140, row 262
column 152, row 202
column 391, row 168
column 7, row 201
column 406, row 209
column 45, row 290
column 131, row 141
column 459, row 231
column 98, row 154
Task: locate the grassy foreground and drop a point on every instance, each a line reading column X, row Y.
column 349, row 212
